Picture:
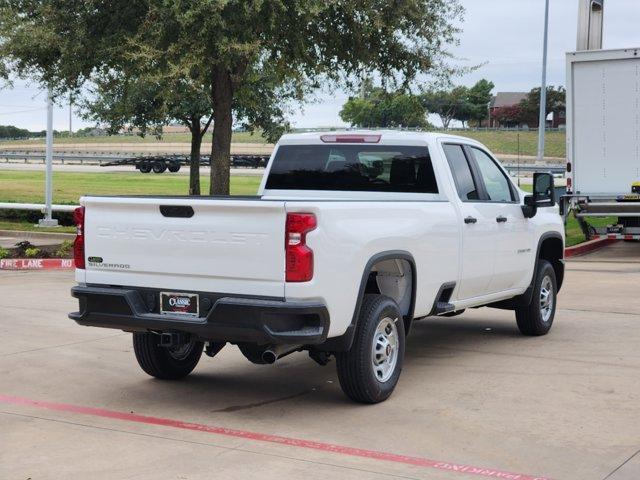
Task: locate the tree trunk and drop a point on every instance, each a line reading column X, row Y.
column 222, row 93
column 194, row 158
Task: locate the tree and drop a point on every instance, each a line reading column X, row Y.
column 510, row 116
column 447, row 104
column 479, row 97
column 556, row 103
column 147, row 104
column 380, row 108
column 225, row 44
column 459, row 103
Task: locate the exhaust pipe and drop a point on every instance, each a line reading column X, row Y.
column 274, row 352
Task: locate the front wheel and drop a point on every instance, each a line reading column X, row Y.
column 536, row 318
column 166, row 363
column 370, row 370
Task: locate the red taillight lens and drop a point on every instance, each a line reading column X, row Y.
column 569, row 185
column 78, row 244
column 298, row 257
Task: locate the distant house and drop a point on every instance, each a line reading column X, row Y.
column 512, row 99
column 504, row 99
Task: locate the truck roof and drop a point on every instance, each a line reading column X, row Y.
column 385, row 135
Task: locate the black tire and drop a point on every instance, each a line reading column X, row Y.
column 144, row 167
column 531, row 320
column 174, row 167
column 159, row 167
column 160, row 362
column 358, row 378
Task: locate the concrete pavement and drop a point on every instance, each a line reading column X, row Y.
column 473, row 392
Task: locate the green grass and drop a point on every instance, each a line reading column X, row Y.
column 68, row 187
column 506, row 142
column 237, row 137
column 498, row 141
column 25, row 226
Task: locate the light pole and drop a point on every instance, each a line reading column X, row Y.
column 543, row 88
column 47, row 221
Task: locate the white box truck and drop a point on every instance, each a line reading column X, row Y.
column 603, row 140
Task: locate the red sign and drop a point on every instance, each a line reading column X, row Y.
column 36, row 263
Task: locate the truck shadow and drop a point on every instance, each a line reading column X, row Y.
column 236, row 387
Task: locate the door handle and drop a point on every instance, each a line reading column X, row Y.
column 501, row 219
column 470, row 220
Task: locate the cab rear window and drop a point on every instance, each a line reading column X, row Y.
column 369, row 168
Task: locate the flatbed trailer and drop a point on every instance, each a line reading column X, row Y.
column 173, row 163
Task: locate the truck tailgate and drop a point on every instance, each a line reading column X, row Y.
column 227, row 245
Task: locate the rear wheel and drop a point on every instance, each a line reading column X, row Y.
column 144, row 167
column 159, row 167
column 174, row 167
column 370, row 370
column 537, row 317
column 166, row 363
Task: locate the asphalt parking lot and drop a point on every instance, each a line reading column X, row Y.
column 476, row 399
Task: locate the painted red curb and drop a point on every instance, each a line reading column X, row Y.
column 265, row 437
column 36, row 264
column 587, row 247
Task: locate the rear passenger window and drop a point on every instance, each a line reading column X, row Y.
column 364, row 168
column 465, row 183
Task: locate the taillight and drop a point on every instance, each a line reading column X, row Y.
column 569, row 185
column 78, row 244
column 299, row 257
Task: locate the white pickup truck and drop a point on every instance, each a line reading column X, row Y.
column 351, row 238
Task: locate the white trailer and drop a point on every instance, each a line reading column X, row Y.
column 603, row 140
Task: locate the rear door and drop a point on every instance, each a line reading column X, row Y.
column 227, row 245
column 479, row 229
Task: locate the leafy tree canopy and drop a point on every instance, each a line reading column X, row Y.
column 459, row 103
column 379, row 108
column 227, row 45
column 556, row 102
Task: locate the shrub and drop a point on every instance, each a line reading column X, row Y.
column 65, row 249
column 32, row 216
column 32, row 252
column 4, row 253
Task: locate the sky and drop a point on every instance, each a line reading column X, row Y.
column 503, row 35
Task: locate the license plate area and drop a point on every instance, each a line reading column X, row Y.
column 175, row 303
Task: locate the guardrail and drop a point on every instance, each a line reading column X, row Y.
column 555, row 169
column 36, row 206
column 510, row 167
column 61, row 158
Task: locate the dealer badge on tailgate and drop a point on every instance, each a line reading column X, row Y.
column 179, row 303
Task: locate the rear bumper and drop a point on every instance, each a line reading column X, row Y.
column 223, row 318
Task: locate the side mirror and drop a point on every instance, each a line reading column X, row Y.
column 544, row 194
